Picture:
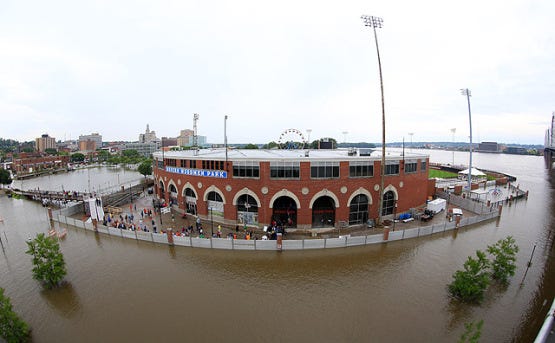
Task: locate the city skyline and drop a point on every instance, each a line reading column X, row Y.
column 71, row 69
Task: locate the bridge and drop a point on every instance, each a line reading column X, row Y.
column 550, row 135
column 122, row 196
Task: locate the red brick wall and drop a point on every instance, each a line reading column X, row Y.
column 414, row 191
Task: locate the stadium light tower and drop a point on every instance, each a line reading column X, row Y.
column 378, row 22
column 453, row 130
column 466, row 92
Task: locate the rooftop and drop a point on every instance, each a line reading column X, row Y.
column 286, row 154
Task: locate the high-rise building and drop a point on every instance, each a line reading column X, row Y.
column 45, row 142
column 85, row 145
column 185, row 137
column 148, row 136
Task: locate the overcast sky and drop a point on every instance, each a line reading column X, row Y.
column 69, row 68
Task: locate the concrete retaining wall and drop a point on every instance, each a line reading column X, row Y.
column 251, row 245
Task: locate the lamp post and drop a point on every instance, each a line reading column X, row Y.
column 466, row 92
column 225, row 140
column 212, row 222
column 453, row 147
column 377, row 22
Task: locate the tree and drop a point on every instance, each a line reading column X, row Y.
column 5, row 177
column 49, row 265
column 145, row 168
column 470, row 284
column 250, row 146
column 51, row 151
column 271, row 145
column 12, row 328
column 472, row 332
column 77, row 157
column 504, row 259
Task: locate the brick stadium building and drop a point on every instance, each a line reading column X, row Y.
column 294, row 188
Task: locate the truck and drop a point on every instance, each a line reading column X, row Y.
column 436, row 205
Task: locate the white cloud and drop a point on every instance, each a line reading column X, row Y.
column 273, row 66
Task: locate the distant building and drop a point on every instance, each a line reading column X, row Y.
column 186, row 138
column 516, row 150
column 90, row 142
column 168, row 141
column 45, row 142
column 35, row 163
column 144, row 149
column 148, row 136
column 491, row 147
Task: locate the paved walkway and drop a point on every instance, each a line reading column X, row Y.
column 176, row 221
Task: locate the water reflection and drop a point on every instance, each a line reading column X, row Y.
column 63, row 299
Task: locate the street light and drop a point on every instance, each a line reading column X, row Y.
column 225, row 140
column 466, row 92
column 212, row 221
column 377, row 22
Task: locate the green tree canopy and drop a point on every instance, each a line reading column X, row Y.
column 77, row 157
column 470, row 284
column 48, row 261
column 145, row 168
column 51, row 151
column 504, row 259
column 12, row 328
column 5, row 177
column 250, row 146
column 130, row 153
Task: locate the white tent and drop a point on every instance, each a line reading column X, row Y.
column 475, row 174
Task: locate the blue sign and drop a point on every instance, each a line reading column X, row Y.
column 221, row 174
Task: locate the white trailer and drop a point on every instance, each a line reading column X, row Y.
column 436, row 205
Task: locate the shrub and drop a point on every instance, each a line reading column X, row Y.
column 504, row 259
column 12, row 328
column 470, row 284
column 49, row 265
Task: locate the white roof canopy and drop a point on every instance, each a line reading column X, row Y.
column 475, row 172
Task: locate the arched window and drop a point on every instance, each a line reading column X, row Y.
column 388, row 203
column 247, row 210
column 284, row 212
column 323, row 212
column 358, row 210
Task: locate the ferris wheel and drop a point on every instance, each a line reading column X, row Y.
column 292, row 139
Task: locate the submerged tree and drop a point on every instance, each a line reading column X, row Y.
column 49, row 265
column 12, row 328
column 145, row 168
column 472, row 332
column 470, row 284
column 504, row 259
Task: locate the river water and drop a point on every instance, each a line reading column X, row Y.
column 126, row 290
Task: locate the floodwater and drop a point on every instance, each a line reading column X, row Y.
column 126, row 290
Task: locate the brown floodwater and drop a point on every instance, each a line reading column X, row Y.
column 124, row 290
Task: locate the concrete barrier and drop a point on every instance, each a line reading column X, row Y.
column 159, row 238
column 142, row 236
column 373, row 239
column 113, row 231
column 128, row 234
column 395, row 235
column 183, row 241
column 251, row 245
column 335, row 242
column 201, row 242
column 243, row 244
column 292, row 245
column 222, row 243
column 411, row 233
column 266, row 245
column 357, row 240
column 425, row 231
column 316, row 243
